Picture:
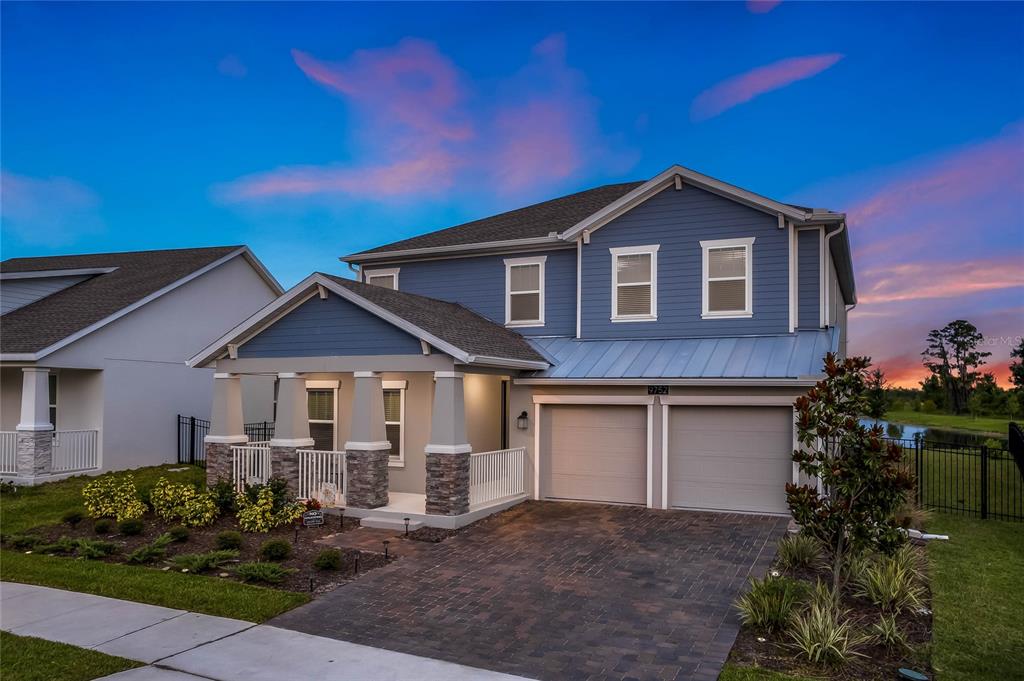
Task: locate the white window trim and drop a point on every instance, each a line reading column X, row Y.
column 748, row 310
column 514, row 262
column 389, row 272
column 56, row 398
column 321, row 386
column 397, row 461
column 651, row 250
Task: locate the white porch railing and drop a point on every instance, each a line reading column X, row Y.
column 317, row 470
column 8, row 452
column 75, row 450
column 250, row 464
column 496, row 476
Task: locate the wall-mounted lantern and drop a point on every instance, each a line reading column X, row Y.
column 523, row 421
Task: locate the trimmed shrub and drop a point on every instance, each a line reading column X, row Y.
column 770, row 602
column 179, row 534
column 269, row 573
column 888, row 632
column 229, row 539
column 130, row 527
column 798, row 551
column 276, row 549
column 111, row 496
column 890, row 584
column 264, row 514
column 103, row 526
column 328, row 559
column 193, row 507
column 201, row 562
column 72, row 517
column 223, row 495
column 824, row 635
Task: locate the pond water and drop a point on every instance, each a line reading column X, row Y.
column 956, row 437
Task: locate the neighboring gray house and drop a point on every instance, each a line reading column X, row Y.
column 639, row 343
column 93, row 351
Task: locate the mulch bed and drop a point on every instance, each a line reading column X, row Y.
column 432, row 535
column 876, row 662
column 203, row 539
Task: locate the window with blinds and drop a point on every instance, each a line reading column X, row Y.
column 634, row 283
column 320, row 404
column 727, row 278
column 524, row 291
column 393, row 413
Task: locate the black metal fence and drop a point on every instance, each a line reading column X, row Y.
column 192, row 432
column 980, row 481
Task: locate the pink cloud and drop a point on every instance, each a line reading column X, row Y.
column 746, row 86
column 415, row 132
column 231, row 65
column 51, row 211
column 762, row 6
column 918, row 280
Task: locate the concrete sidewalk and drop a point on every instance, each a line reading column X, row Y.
column 185, row 646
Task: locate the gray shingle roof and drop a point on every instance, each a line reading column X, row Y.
column 40, row 324
column 450, row 322
column 537, row 220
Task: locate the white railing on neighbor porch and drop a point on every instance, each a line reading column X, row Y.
column 496, row 476
column 8, row 452
column 250, row 464
column 318, row 468
column 75, row 450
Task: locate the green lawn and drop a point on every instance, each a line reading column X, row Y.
column 44, row 505
column 23, row 658
column 986, row 424
column 978, row 599
column 733, row 672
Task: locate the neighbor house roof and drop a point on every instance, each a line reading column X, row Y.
column 449, row 327
column 117, row 283
column 792, row 356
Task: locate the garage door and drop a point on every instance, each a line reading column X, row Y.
column 594, row 453
column 730, row 458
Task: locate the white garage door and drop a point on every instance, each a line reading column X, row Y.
column 594, row 453
column 730, row 458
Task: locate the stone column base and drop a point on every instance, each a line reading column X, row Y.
column 447, row 484
column 34, row 453
column 367, row 473
column 218, row 462
column 284, row 464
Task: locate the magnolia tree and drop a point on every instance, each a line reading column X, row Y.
column 863, row 482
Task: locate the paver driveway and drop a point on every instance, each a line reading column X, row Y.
column 561, row 591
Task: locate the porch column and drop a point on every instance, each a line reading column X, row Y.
column 291, row 429
column 448, row 451
column 226, row 428
column 368, row 449
column 35, row 432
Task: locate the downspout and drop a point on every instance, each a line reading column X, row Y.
column 357, row 270
column 828, row 258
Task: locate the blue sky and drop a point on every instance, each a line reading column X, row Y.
column 313, row 130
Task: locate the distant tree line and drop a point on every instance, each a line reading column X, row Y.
column 956, row 384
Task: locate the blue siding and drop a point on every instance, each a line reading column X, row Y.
column 808, row 278
column 678, row 221
column 333, row 326
column 479, row 284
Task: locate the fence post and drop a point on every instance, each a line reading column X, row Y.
column 984, row 482
column 177, row 427
column 917, row 468
column 191, row 439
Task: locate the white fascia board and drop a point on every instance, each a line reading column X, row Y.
column 67, row 340
column 703, row 382
column 414, row 252
column 666, row 178
column 262, row 270
column 39, row 274
column 508, row 362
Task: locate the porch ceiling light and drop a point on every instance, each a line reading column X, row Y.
column 523, row 421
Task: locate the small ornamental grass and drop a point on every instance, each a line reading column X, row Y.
column 131, row 527
column 823, row 633
column 888, row 633
column 93, row 549
column 23, row 541
column 268, row 573
column 770, row 603
column 201, row 562
column 103, row 526
column 151, row 552
column 276, row 549
column 72, row 517
column 890, row 583
column 798, row 551
column 179, row 533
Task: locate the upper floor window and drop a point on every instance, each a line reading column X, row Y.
column 524, row 291
column 727, row 274
column 634, row 283
column 383, row 278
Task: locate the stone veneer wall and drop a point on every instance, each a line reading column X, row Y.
column 367, row 471
column 218, row 462
column 35, row 453
column 284, row 464
column 447, row 484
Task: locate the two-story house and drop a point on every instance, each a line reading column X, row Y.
column 637, row 343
